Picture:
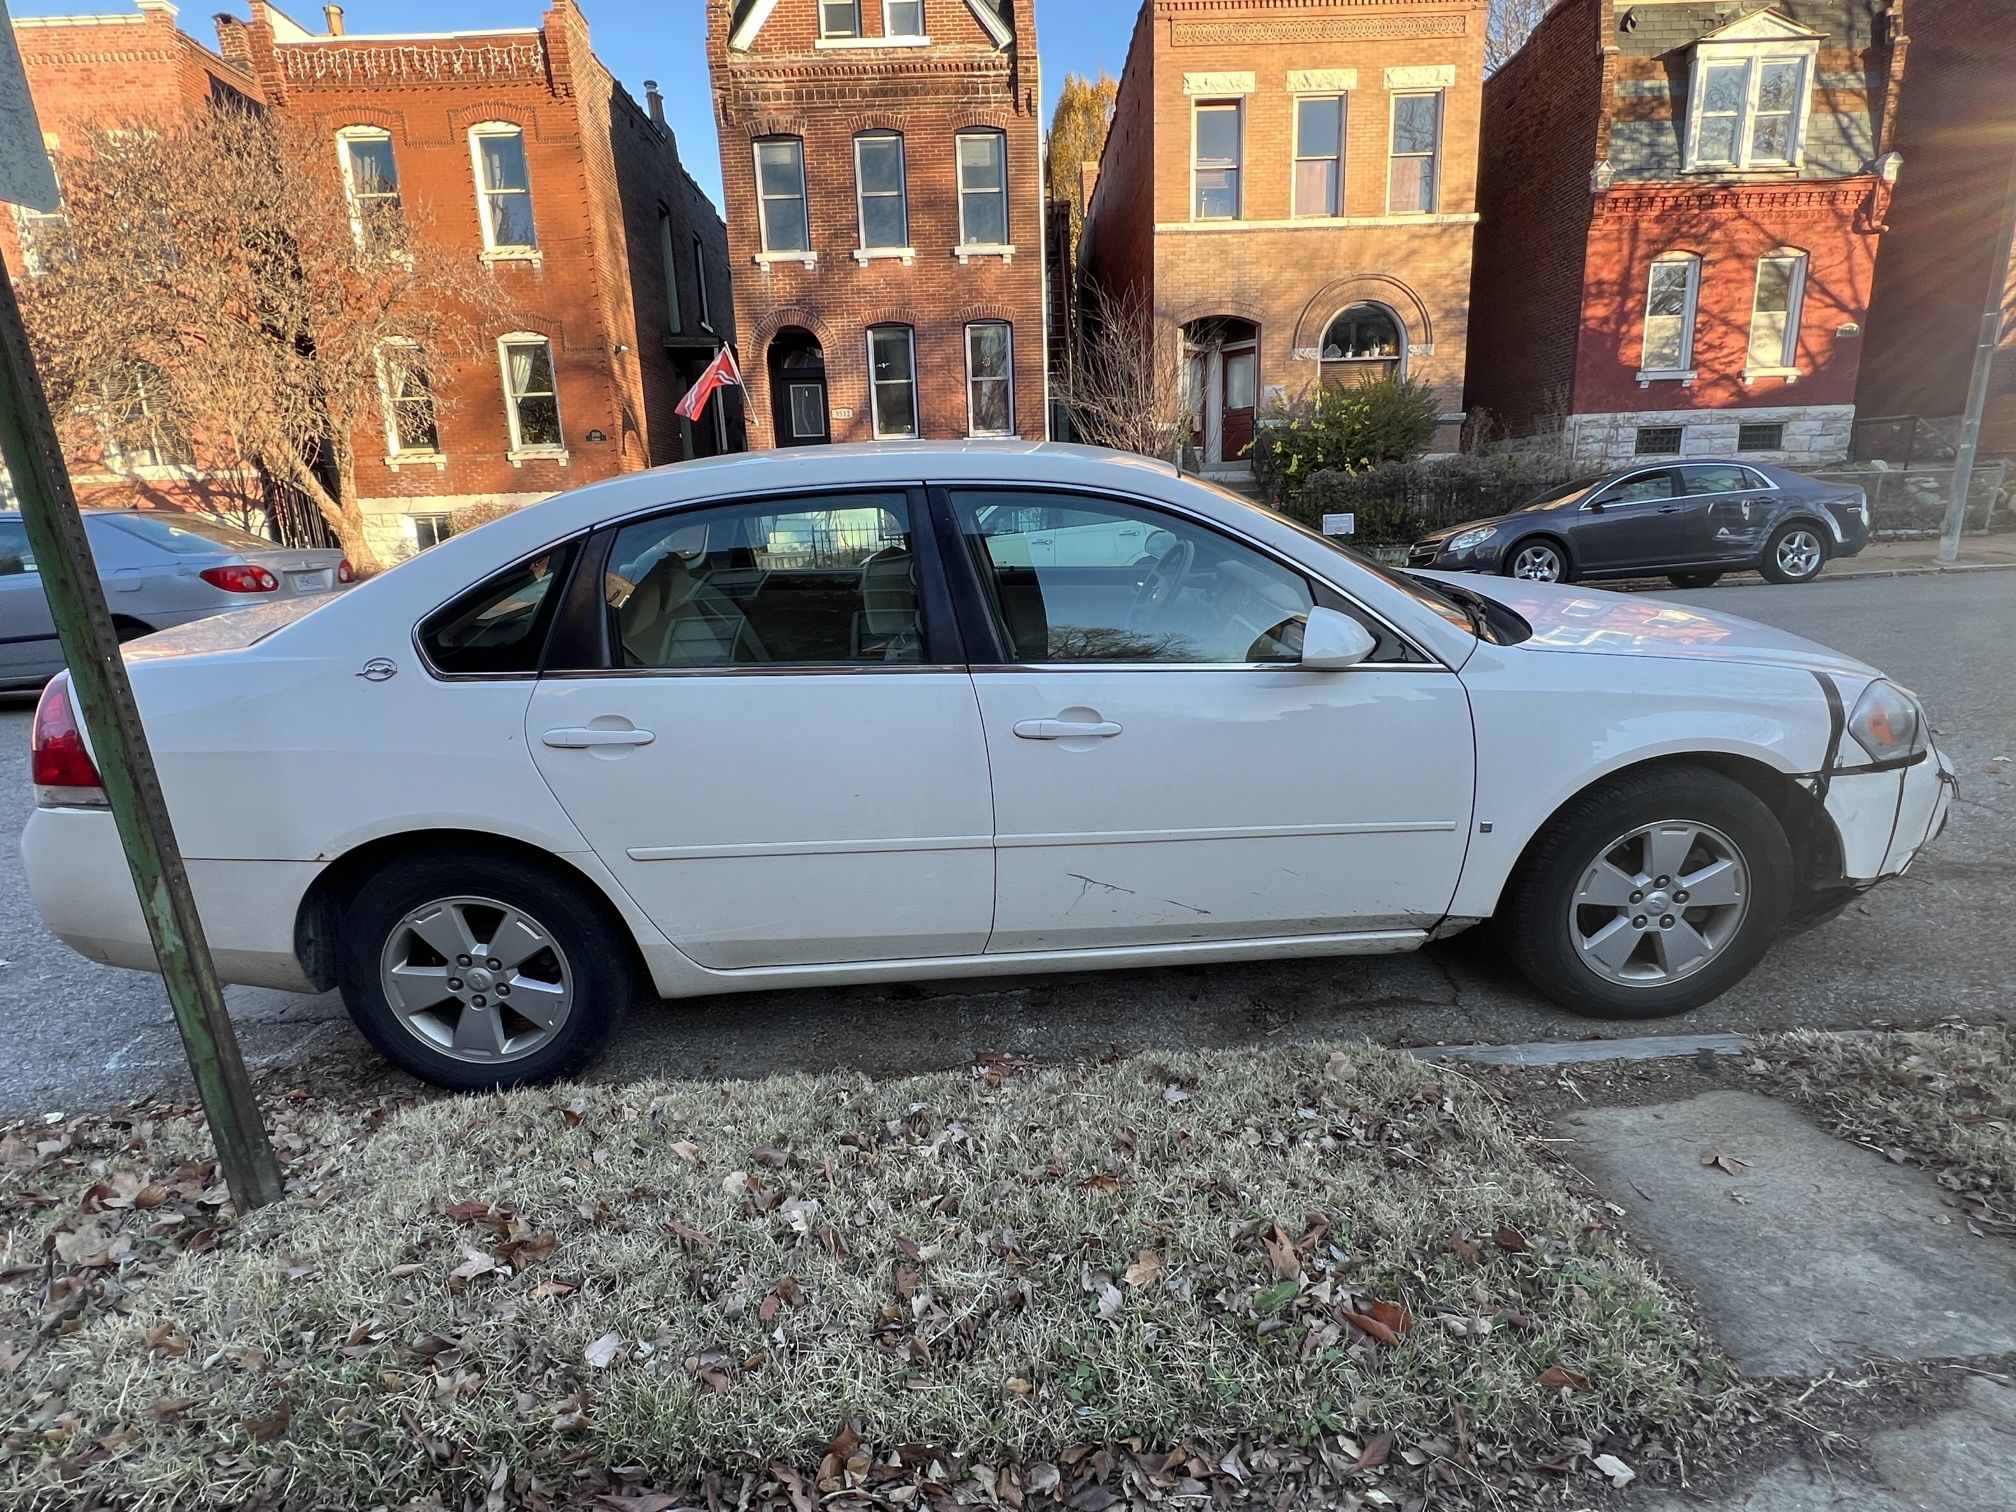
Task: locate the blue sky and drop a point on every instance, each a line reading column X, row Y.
column 658, row 39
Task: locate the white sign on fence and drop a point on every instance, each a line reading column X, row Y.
column 25, row 175
column 1340, row 524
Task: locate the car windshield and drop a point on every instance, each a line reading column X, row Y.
column 186, row 534
column 1566, row 490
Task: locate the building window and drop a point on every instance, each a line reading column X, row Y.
column 1362, row 344
column 1669, row 314
column 1774, row 319
column 45, row 234
column 990, row 379
column 670, row 263
column 409, row 399
column 700, row 284
column 1319, row 155
column 879, row 190
column 1417, row 144
column 780, row 195
column 983, row 189
column 1748, row 112
column 903, row 18
column 1215, row 166
column 429, row 529
column 532, row 401
column 1760, row 437
column 131, row 422
column 1658, row 440
column 839, row 18
column 503, row 188
column 892, row 365
column 370, row 179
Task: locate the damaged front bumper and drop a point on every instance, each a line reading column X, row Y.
column 1884, row 818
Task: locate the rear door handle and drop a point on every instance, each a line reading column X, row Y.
column 1064, row 729
column 585, row 739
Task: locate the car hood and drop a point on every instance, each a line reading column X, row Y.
column 1540, row 507
column 1572, row 618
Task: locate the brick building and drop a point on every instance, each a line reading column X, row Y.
column 1681, row 207
column 523, row 149
column 1292, row 184
column 1956, row 130
column 881, row 163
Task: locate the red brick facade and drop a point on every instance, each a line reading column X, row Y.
column 811, row 279
column 1267, row 268
column 1747, row 229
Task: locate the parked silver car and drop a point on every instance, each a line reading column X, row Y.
column 160, row 568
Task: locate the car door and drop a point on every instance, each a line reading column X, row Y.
column 1164, row 770
column 28, row 646
column 769, row 736
column 1631, row 524
column 1723, row 519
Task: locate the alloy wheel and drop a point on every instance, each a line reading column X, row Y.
column 476, row 979
column 1659, row 903
column 1538, row 564
column 1799, row 553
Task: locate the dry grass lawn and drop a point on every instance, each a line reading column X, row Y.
column 498, row 1299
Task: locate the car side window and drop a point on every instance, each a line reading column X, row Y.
column 15, row 554
column 499, row 627
column 1072, row 578
column 1716, row 478
column 1638, row 488
column 799, row 581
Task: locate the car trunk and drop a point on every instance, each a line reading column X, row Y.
column 302, row 570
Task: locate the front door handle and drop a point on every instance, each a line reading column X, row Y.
column 1064, row 729
column 587, row 740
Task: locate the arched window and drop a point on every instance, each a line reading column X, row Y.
column 1774, row 316
column 503, row 188
column 983, row 188
column 892, row 369
column 1669, row 314
column 370, row 177
column 880, row 192
column 531, row 396
column 1364, row 342
column 780, row 195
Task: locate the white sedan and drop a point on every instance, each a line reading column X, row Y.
column 830, row 716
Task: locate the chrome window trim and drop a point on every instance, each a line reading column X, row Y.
column 1590, row 504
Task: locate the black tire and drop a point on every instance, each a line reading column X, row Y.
column 129, row 629
column 596, row 953
column 1531, row 546
column 1534, row 916
column 1693, row 579
column 1775, row 572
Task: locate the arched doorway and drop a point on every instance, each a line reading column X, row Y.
column 797, row 366
column 1221, row 367
column 1362, row 343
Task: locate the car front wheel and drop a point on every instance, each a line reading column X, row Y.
column 1649, row 895
column 474, row 972
column 1795, row 554
column 1537, row 561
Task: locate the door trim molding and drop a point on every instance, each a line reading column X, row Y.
column 1237, row 832
column 784, row 848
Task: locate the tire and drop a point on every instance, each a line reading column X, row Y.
column 572, row 973
column 129, row 629
column 1795, row 553
column 1537, row 560
column 1569, row 950
column 1693, row 579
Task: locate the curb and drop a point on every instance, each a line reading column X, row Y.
column 1752, row 580
column 1583, row 1052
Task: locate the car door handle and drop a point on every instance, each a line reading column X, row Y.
column 1669, row 509
column 1064, row 729
column 586, row 740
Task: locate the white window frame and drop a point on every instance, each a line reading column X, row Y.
column 1752, row 57
column 160, row 444
column 1237, row 105
column 363, row 132
column 1434, row 156
column 444, row 526
column 967, row 246
column 830, row 36
column 396, row 452
column 902, row 249
column 875, row 388
column 1786, row 364
column 1685, row 370
column 923, row 32
column 29, row 225
column 767, row 253
column 1296, row 157
column 492, row 248
column 1008, row 329
column 519, row 450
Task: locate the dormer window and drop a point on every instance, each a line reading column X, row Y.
column 1749, row 95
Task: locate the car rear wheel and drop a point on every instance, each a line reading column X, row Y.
column 1795, row 554
column 1537, row 562
column 475, row 971
column 1693, row 579
column 1649, row 895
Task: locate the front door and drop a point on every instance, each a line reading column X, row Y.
column 1637, row 522
column 776, row 755
column 803, row 412
column 1238, row 376
column 1165, row 771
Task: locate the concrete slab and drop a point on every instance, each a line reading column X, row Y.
column 1818, row 1253
column 1959, row 1461
column 1588, row 1052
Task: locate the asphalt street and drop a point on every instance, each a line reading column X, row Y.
column 74, row 1035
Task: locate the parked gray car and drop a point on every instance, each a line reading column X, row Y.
column 160, row 568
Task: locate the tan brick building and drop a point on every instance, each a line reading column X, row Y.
column 1293, row 184
column 882, row 170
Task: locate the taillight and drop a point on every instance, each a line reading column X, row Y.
column 345, row 573
column 240, row 579
column 59, row 762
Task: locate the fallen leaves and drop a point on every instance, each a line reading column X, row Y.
column 602, row 1353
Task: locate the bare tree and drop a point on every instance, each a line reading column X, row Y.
column 1123, row 384
column 222, row 261
column 1510, row 24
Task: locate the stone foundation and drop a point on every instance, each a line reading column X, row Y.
column 1815, row 434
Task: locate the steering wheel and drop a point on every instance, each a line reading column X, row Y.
column 1163, row 581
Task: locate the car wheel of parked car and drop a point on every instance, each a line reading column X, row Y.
column 1796, row 554
column 1649, row 895
column 1537, row 561
column 1693, row 579
column 479, row 971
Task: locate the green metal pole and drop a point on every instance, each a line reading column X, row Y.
column 98, row 672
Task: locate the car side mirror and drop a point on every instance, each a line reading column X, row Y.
column 1332, row 641
column 1596, row 505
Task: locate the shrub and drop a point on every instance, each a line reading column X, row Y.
column 469, row 516
column 1399, row 502
column 1342, row 427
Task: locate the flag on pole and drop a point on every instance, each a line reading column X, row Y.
column 721, row 370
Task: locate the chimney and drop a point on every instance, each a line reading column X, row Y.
column 161, row 8
column 1088, row 180
column 654, row 101
column 332, row 16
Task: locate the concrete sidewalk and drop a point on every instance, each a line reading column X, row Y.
column 1885, row 557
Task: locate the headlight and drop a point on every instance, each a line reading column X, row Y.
column 1888, row 722
column 1471, row 539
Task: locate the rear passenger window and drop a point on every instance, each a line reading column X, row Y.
column 498, row 628
column 817, row 581
column 1716, row 478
